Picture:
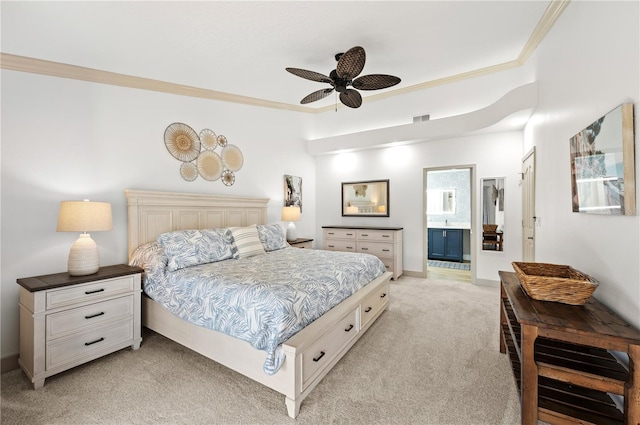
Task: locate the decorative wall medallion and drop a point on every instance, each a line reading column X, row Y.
column 208, row 139
column 182, row 142
column 188, row 171
column 209, row 165
column 228, row 178
column 232, row 157
column 196, row 151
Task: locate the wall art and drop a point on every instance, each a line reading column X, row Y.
column 293, row 191
column 603, row 165
column 203, row 154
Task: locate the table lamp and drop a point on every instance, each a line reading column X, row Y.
column 291, row 214
column 84, row 216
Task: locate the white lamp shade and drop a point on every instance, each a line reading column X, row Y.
column 291, row 213
column 84, row 216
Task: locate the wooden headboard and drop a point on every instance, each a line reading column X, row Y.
column 152, row 213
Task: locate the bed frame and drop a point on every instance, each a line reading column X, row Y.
column 309, row 355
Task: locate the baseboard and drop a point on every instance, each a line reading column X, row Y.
column 410, row 273
column 488, row 282
column 9, row 363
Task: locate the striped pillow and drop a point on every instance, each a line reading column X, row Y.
column 247, row 241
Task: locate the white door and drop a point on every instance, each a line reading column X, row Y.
column 528, row 207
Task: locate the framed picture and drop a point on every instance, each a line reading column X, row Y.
column 603, row 165
column 293, row 191
column 365, row 198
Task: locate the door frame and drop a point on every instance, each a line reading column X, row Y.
column 529, row 214
column 473, row 194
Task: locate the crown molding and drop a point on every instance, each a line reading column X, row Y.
column 62, row 70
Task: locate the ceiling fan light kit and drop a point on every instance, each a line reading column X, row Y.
column 349, row 66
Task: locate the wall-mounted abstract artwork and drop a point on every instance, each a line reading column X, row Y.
column 603, row 165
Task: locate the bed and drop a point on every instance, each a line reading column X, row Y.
column 306, row 356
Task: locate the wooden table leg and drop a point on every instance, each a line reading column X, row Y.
column 632, row 388
column 529, row 376
column 503, row 320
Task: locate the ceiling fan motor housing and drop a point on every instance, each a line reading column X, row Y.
column 338, row 83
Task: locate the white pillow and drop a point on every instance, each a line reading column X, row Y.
column 247, row 241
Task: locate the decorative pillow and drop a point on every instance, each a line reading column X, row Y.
column 187, row 248
column 247, row 241
column 272, row 237
column 151, row 258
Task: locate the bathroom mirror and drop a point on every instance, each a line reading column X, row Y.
column 441, row 201
column 493, row 214
column 365, row 198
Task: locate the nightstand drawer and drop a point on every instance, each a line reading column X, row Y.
column 69, row 350
column 88, row 292
column 381, row 250
column 69, row 321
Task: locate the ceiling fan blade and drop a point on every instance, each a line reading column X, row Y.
column 316, row 95
column 351, row 63
column 351, row 98
column 310, row 75
column 375, row 82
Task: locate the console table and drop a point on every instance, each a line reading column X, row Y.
column 562, row 362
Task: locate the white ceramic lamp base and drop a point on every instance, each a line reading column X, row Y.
column 83, row 256
column 292, row 233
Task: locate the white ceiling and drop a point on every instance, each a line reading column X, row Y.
column 242, row 47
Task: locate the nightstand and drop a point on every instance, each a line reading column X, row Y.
column 68, row 320
column 302, row 243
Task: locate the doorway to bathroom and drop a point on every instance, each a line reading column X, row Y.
column 448, row 212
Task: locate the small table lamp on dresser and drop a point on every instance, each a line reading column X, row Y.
column 84, row 216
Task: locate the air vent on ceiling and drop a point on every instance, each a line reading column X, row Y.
column 421, row 118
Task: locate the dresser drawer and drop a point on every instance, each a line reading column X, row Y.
column 373, row 304
column 381, row 250
column 321, row 352
column 376, row 235
column 339, row 234
column 388, row 264
column 69, row 350
column 339, row 245
column 69, row 321
column 78, row 294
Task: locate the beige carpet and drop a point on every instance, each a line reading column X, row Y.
column 432, row 358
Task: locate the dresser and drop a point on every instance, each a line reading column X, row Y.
column 68, row 320
column 563, row 362
column 383, row 242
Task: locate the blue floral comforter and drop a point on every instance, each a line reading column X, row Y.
column 264, row 299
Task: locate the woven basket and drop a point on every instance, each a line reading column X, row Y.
column 553, row 282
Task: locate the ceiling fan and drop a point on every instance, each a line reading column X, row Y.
column 350, row 65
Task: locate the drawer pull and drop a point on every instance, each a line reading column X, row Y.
column 385, row 236
column 330, row 233
column 383, row 295
column 349, row 247
column 94, row 342
column 317, row 359
column 368, row 309
column 331, row 246
column 365, row 234
column 349, row 328
column 385, row 250
column 349, row 234
column 94, row 291
column 364, row 249
column 94, row 315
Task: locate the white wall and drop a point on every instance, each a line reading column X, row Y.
column 587, row 65
column 494, row 155
column 65, row 139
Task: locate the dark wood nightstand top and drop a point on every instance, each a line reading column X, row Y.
column 300, row 240
column 57, row 280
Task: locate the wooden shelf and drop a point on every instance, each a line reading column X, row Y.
column 571, row 376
